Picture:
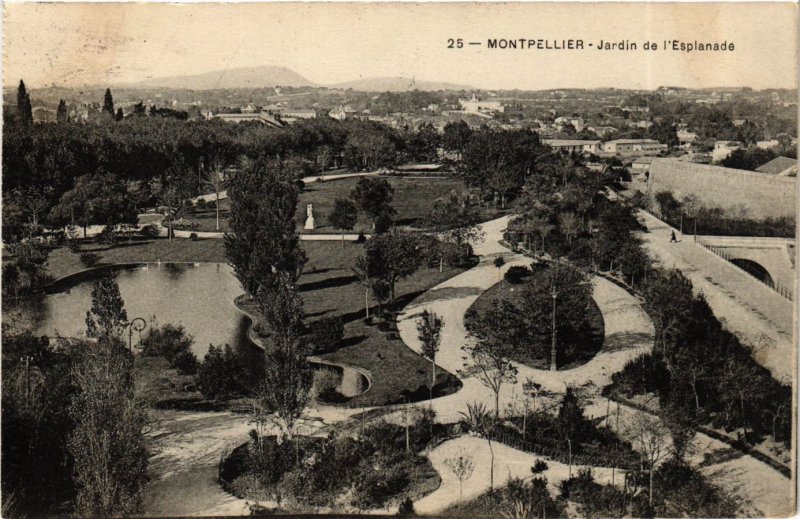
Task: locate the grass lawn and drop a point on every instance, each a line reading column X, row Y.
column 329, row 288
column 413, row 198
column 588, row 345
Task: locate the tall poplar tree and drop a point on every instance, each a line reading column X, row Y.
column 61, row 113
column 24, row 109
column 108, row 103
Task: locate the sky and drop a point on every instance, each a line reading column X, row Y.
column 79, row 44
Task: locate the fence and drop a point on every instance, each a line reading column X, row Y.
column 786, row 292
column 559, row 455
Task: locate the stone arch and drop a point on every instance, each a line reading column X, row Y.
column 755, row 269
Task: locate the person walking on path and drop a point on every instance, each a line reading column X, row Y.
column 672, row 238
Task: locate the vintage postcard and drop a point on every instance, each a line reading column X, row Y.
column 513, row 260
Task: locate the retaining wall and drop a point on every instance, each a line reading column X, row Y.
column 762, row 195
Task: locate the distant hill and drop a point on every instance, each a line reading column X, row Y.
column 245, row 77
column 397, row 84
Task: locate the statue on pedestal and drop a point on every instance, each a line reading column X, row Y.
column 310, row 218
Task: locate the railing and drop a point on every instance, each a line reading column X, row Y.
column 555, row 454
column 784, row 291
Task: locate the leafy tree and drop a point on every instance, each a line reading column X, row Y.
column 372, row 147
column 456, row 136
column 119, row 115
column 748, row 159
column 174, row 198
column 570, row 225
column 492, row 335
column 393, row 257
column 373, row 196
column 24, row 108
column 263, row 240
column 282, row 308
column 455, row 222
column 108, row 443
column 107, row 318
column 668, row 301
column 95, row 200
column 429, row 330
column 343, row 216
column 61, row 112
column 108, row 103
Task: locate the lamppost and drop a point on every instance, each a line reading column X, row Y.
column 136, row 325
column 553, row 366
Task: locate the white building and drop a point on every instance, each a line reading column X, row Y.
column 633, row 147
column 573, row 145
column 475, row 105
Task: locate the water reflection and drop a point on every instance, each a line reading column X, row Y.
column 197, row 296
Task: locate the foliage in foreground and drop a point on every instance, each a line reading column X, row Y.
column 368, row 469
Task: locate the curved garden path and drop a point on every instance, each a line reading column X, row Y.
column 189, row 445
column 763, row 491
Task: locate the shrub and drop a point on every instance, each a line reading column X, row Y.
column 326, row 385
column 107, row 235
column 499, row 262
column 174, row 344
column 193, row 236
column 149, row 231
column 327, row 334
column 383, row 223
column 222, row 374
column 301, row 186
column 201, row 204
column 89, row 259
column 361, row 238
column 516, row 274
column 539, row 466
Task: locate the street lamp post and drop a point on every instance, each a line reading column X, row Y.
column 136, row 325
column 553, row 366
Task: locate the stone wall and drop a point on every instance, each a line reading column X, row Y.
column 761, row 195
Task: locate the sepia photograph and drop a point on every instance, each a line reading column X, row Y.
column 472, row 260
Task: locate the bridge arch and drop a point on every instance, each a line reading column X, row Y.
column 755, row 269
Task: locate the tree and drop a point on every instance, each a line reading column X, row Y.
column 570, row 225
column 263, row 239
column 61, row 112
column 120, row 115
column 108, row 103
column 372, row 147
column 373, row 196
column 668, row 300
column 343, row 216
column 107, row 318
column 462, row 465
column 542, row 227
column 108, row 443
column 429, row 331
column 492, row 335
column 215, row 179
column 454, row 221
column 175, row 200
column 101, row 199
column 393, row 257
column 282, row 308
column 24, row 108
column 652, row 439
column 455, row 137
column 367, row 273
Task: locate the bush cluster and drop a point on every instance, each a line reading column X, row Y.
column 174, row 344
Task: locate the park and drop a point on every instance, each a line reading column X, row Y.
column 479, row 339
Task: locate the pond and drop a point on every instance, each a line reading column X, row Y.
column 198, row 296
